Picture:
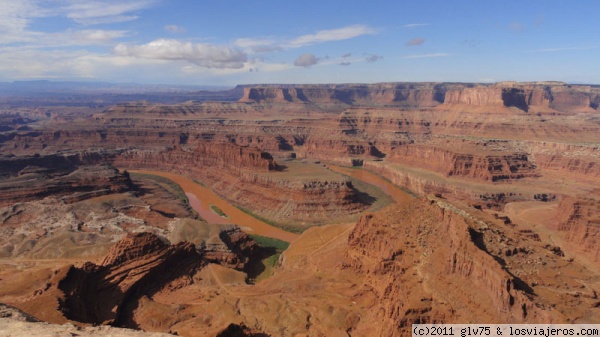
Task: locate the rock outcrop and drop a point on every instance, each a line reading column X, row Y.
column 409, row 94
column 140, row 265
column 15, row 323
column 555, row 95
column 249, row 177
column 72, row 177
column 431, row 263
column 579, row 218
column 137, row 266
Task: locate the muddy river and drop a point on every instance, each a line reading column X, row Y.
column 202, row 198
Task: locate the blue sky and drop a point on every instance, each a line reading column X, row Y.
column 225, row 42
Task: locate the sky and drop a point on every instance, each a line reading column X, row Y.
column 225, row 42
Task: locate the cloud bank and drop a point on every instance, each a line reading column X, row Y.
column 200, row 54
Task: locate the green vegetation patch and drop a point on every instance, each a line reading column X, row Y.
column 274, row 247
column 287, row 228
column 165, row 183
column 219, row 211
column 370, row 194
column 266, row 242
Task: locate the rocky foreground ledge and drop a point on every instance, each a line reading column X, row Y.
column 16, row 323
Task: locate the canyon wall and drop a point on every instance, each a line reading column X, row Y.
column 249, row 177
column 440, row 264
column 73, row 177
column 579, row 218
column 555, row 95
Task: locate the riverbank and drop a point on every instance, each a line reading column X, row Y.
column 201, row 198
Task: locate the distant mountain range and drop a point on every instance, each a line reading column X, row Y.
column 31, row 93
column 45, row 86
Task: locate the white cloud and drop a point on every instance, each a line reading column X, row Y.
column 13, row 15
column 415, row 25
column 338, row 34
column 269, row 44
column 16, row 17
column 421, row 56
column 260, row 45
column 175, row 29
column 93, row 12
column 95, row 36
column 200, row 54
column 306, row 60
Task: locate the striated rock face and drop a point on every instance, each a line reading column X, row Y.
column 479, row 96
column 410, row 94
column 138, row 265
column 554, row 95
column 427, row 263
column 238, row 250
column 450, row 163
column 71, row 177
column 579, row 217
column 249, row 178
column 214, row 155
column 580, row 160
column 11, row 166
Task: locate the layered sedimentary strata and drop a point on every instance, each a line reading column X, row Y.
column 139, row 265
column 423, row 261
column 450, row 162
column 439, row 264
column 555, row 95
column 249, row 177
column 70, row 177
column 417, row 94
column 485, row 143
column 579, row 218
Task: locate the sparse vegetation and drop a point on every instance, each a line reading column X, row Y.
column 361, row 168
column 267, row 242
column 374, row 195
column 288, row 228
column 165, row 183
column 219, row 211
column 274, row 248
column 199, row 183
column 170, row 186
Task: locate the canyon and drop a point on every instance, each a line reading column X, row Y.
column 403, row 202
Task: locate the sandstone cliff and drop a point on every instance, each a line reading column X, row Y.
column 137, row 266
column 72, row 177
column 433, row 263
column 249, row 177
column 553, row 95
column 409, row 94
column 579, row 218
